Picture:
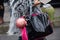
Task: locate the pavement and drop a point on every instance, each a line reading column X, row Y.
column 54, row 36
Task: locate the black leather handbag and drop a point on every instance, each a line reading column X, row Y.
column 38, row 26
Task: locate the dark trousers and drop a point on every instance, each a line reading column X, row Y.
column 2, row 11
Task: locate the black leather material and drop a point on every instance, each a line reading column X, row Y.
column 32, row 33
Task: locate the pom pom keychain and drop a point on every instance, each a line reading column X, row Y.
column 21, row 24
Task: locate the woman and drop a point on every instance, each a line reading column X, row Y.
column 21, row 8
column 1, row 11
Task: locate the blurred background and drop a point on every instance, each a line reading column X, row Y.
column 54, row 36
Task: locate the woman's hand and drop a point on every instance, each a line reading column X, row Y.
column 36, row 2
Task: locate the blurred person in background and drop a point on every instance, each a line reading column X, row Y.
column 1, row 11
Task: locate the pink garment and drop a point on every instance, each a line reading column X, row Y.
column 24, row 34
